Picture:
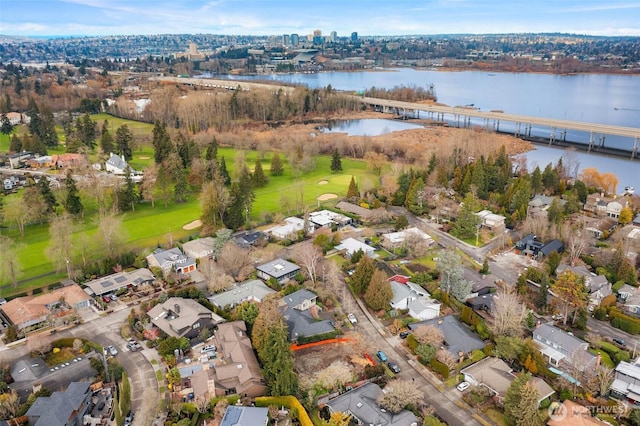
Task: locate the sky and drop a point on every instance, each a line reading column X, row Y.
column 366, row 17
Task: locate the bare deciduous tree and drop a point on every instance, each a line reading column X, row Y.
column 577, row 239
column 60, row 250
column 598, row 381
column 233, row 259
column 111, row 233
column 219, row 281
column 508, row 313
column 148, row 185
column 399, row 394
column 415, row 244
column 39, row 343
column 335, row 375
column 309, row 257
column 447, row 358
column 429, row 335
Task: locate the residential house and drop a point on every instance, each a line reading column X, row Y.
column 66, row 408
column 199, row 248
column 415, row 299
column 571, row 413
column 496, row 375
column 361, row 404
column 614, row 208
column 171, row 260
column 301, row 313
column 598, row 227
column 394, row 240
column 539, row 205
column 236, row 367
column 20, row 159
column 248, row 238
column 596, row 203
column 278, row 269
column 65, row 161
column 32, row 311
column 245, row 416
column 251, row 291
column 626, row 291
column 180, row 317
column 16, row 118
column 529, row 245
column 632, row 303
column 290, row 229
column 114, row 282
column 626, row 383
column 491, row 221
column 117, row 165
column 42, row 162
column 483, row 302
column 559, row 346
column 458, row 339
column 365, row 215
column 597, row 285
column 327, row 219
column 553, row 245
column 351, row 246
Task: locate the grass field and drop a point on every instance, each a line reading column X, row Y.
column 148, row 227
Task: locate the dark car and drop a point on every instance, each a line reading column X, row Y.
column 619, row 341
column 393, row 367
column 404, row 334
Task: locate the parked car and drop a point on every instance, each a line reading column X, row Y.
column 129, row 419
column 619, row 341
column 113, row 351
column 208, row 348
column 113, row 297
column 404, row 334
column 463, row 386
column 133, row 346
column 382, row 356
column 352, row 318
column 393, row 367
column 106, row 299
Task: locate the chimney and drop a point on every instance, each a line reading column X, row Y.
column 176, row 308
column 598, row 360
column 538, row 324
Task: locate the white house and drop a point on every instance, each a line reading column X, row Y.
column 493, row 222
column 199, row 248
column 351, row 246
column 613, row 209
column 291, row 227
column 327, row 218
column 415, row 299
column 394, row 240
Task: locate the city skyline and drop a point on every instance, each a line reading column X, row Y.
column 275, row 17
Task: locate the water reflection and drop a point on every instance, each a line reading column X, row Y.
column 368, row 127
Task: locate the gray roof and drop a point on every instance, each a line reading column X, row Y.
column 297, row 297
column 118, row 162
column 278, row 268
column 300, row 322
column 249, row 290
column 361, row 402
column 457, row 336
column 118, row 280
column 177, row 314
column 245, row 416
column 167, row 258
column 558, row 337
column 400, row 292
column 56, row 409
column 628, row 369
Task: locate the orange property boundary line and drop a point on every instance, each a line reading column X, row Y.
column 296, row 347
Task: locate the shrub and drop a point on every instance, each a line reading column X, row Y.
column 600, row 314
column 412, row 343
column 488, row 349
column 609, row 300
column 291, row 402
column 621, row 356
column 439, row 368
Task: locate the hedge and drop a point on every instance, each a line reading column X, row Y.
column 610, row 349
column 318, row 337
column 439, row 368
column 291, row 402
column 625, row 324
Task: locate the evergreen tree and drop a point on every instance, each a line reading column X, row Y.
column 536, row 181
column 432, row 164
column 5, row 125
column 277, row 363
column 106, row 139
column 222, row 168
column 362, row 275
column 33, row 112
column 86, row 130
column 414, row 201
column 521, row 402
column 72, row 204
column 277, row 169
column 127, row 196
column 233, row 217
column 15, row 145
column 47, row 129
column 336, row 162
column 404, row 182
column 162, row 145
column 246, row 190
column 467, row 222
column 353, row 193
column 181, row 186
column 260, row 180
column 550, row 179
column 379, row 293
column 124, row 142
column 47, row 195
column 187, row 150
column 212, row 151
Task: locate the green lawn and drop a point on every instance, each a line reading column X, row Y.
column 149, row 227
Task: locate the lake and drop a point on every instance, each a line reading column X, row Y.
column 368, row 127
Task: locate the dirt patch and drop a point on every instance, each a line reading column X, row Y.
column 328, row 196
column 323, row 182
column 193, row 225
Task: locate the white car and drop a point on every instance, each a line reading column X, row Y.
column 463, row 386
column 113, row 351
column 352, row 318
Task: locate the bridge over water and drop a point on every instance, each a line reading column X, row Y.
column 461, row 116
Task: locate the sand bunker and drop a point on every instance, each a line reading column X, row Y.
column 193, row 225
column 323, row 182
column 143, row 158
column 325, row 197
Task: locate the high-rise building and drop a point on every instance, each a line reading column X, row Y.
column 295, row 39
column 333, row 37
column 354, row 36
column 285, row 39
column 317, row 37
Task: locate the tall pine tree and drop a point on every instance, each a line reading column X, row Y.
column 222, row 168
column 260, row 180
column 277, row 169
column 353, row 193
column 47, row 194
column 127, row 196
column 336, row 162
column 124, row 142
column 162, row 145
column 106, row 139
column 72, row 203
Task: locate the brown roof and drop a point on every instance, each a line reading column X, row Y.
column 29, row 308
